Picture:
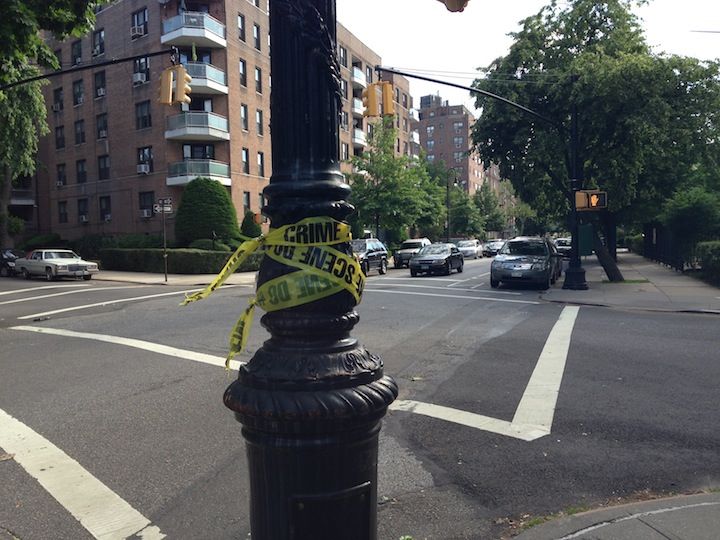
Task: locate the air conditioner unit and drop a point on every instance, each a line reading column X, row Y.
column 146, row 213
column 102, row 134
column 143, row 168
column 59, row 183
column 96, row 51
column 83, row 218
column 137, row 31
column 57, row 107
column 100, row 92
column 80, row 100
column 108, row 217
column 138, row 78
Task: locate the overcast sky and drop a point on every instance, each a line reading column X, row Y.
column 422, row 35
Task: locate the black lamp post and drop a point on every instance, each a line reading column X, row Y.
column 447, row 200
column 311, row 398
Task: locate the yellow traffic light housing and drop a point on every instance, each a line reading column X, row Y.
column 370, row 100
column 182, row 85
column 388, row 103
column 165, row 93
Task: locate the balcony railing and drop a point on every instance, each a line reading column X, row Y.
column 182, row 172
column 197, row 125
column 207, row 79
column 358, row 77
column 193, row 27
column 359, row 138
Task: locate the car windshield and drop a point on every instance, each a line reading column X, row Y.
column 435, row 249
column 562, row 242
column 466, row 243
column 411, row 244
column 524, row 248
column 61, row 255
column 358, row 245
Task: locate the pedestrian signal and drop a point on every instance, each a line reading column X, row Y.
column 590, row 200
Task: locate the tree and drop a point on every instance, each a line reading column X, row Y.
column 465, row 218
column 390, row 193
column 489, row 207
column 22, row 108
column 692, row 216
column 205, row 208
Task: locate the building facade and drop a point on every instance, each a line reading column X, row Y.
column 113, row 150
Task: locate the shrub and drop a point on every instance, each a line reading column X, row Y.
column 208, row 244
column 635, row 243
column 206, row 208
column 708, row 253
column 88, row 247
column 249, row 227
column 130, row 241
column 43, row 240
column 180, row 261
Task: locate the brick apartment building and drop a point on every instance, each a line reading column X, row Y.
column 113, row 150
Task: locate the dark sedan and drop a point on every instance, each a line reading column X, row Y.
column 7, row 261
column 437, row 259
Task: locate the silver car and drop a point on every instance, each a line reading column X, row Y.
column 471, row 249
column 526, row 260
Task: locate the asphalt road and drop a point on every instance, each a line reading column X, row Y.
column 635, row 411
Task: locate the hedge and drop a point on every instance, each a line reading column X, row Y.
column 708, row 253
column 180, row 261
column 635, row 243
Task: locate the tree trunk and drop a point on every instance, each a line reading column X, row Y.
column 610, row 231
column 608, row 263
column 5, row 190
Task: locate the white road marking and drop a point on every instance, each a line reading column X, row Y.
column 537, row 406
column 462, row 297
column 31, row 298
column 99, row 509
column 445, row 288
column 415, row 279
column 29, row 289
column 463, row 281
column 136, row 343
column 108, row 303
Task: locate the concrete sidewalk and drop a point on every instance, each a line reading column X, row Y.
column 179, row 280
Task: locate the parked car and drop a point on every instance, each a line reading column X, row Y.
column 437, row 259
column 470, row 249
column 370, row 253
column 564, row 246
column 408, row 248
column 54, row 264
column 8, row 257
column 526, row 260
column 491, row 247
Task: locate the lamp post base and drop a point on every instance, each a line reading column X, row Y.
column 575, row 279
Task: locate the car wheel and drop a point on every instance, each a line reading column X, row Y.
column 398, row 264
column 26, row 274
column 545, row 285
column 366, row 268
column 49, row 276
column 494, row 283
column 460, row 268
column 4, row 271
column 447, row 269
column 413, row 273
column 383, row 266
column 88, row 277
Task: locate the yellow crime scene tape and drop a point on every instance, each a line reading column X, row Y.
column 321, row 271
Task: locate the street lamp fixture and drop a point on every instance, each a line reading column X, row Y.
column 447, row 199
column 455, row 5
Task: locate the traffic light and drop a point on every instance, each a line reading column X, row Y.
column 597, row 200
column 388, row 103
column 370, row 100
column 590, row 200
column 182, row 85
column 165, row 92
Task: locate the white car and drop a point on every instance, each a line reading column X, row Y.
column 471, row 249
column 55, row 263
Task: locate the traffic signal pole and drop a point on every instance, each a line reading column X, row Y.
column 311, row 399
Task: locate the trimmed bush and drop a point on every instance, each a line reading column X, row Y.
column 208, row 244
column 42, row 241
column 88, row 247
column 249, row 227
column 708, row 253
column 180, row 261
column 137, row 241
column 635, row 243
column 205, row 208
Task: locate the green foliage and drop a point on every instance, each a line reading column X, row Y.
column 88, row 247
column 487, row 203
column 708, row 254
column 465, row 218
column 208, row 244
column 43, row 241
column 635, row 243
column 248, row 227
column 206, row 208
column 129, row 241
column 180, row 261
column 692, row 215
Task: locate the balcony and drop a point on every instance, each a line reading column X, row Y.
column 357, row 107
column 181, row 173
column 206, row 78
column 193, row 28
column 358, row 78
column 197, row 126
column 22, row 197
column 359, row 138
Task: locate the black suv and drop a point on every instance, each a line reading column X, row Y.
column 7, row 261
column 371, row 253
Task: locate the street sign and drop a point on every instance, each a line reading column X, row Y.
column 165, row 200
column 165, row 209
column 586, row 199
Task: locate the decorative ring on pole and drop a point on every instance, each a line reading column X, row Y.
column 455, row 5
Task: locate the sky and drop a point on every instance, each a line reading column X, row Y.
column 421, row 35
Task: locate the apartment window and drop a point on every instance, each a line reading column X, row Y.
column 405, row 100
column 98, row 41
column 256, row 36
column 458, row 142
column 344, row 152
column 62, row 212
column 61, row 174
column 105, row 206
column 58, row 99
column 458, row 156
column 246, row 200
column 244, row 116
column 458, row 127
column 243, row 72
column 259, row 121
column 138, row 23
column 78, row 92
column 101, row 125
column 256, row 3
column 397, row 145
column 405, row 125
column 198, row 151
column 431, row 158
column 60, row 137
column 245, row 161
column 241, row 26
column 261, row 163
column 430, row 145
column 369, row 74
column 143, row 119
column 344, row 88
column 76, row 52
column 430, row 130
column 81, row 171
column 344, row 120
column 145, row 157
column 80, row 132
column 82, row 210
column 405, row 149
column 397, row 95
column 146, row 200
column 258, row 80
column 342, row 53
column 104, row 167
column 261, row 201
column 141, row 70
column 99, row 84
